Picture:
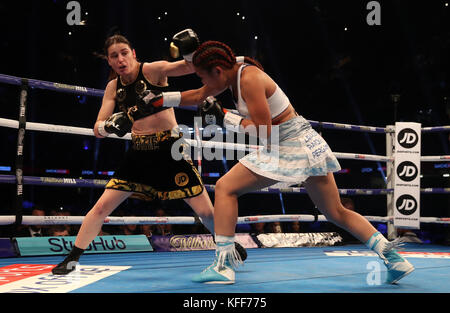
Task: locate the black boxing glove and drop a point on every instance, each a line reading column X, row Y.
column 184, row 43
column 150, row 100
column 212, row 113
column 118, row 124
column 143, row 106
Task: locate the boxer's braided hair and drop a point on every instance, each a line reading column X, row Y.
column 215, row 53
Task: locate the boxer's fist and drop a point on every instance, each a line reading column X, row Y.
column 145, row 105
column 211, row 112
column 184, row 43
column 118, row 124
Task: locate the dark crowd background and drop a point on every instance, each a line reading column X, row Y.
column 333, row 66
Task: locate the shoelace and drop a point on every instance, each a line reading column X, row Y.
column 394, row 244
column 390, row 252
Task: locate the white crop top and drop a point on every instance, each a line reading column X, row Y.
column 278, row 101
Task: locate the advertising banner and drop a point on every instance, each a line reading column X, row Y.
column 290, row 240
column 407, row 175
column 37, row 278
column 30, row 246
column 195, row 242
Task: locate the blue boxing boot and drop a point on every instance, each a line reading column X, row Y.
column 225, row 261
column 397, row 266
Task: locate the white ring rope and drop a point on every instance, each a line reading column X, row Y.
column 52, row 220
column 205, row 144
column 188, row 220
column 55, row 128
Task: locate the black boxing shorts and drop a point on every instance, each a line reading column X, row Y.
column 150, row 172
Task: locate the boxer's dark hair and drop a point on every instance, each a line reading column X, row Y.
column 215, row 53
column 113, row 40
column 108, row 43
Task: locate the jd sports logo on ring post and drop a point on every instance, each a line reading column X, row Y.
column 407, row 175
column 408, row 138
column 407, row 171
column 406, row 205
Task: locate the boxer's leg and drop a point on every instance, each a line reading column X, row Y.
column 91, row 226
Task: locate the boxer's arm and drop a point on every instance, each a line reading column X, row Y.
column 254, row 94
column 107, row 108
column 164, row 69
column 193, row 97
column 183, row 44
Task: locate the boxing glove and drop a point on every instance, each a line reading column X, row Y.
column 118, row 124
column 213, row 113
column 184, row 43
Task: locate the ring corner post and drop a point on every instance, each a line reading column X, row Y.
column 390, row 134
column 19, row 155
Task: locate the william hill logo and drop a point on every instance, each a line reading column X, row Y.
column 191, row 242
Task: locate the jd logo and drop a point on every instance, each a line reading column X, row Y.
column 406, row 204
column 407, row 171
column 181, row 179
column 407, row 138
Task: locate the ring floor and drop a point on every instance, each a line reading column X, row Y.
column 340, row 269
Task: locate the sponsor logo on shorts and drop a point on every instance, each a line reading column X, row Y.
column 181, row 179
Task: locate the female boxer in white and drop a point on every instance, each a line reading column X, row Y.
column 303, row 157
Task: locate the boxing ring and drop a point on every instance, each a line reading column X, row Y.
column 305, row 269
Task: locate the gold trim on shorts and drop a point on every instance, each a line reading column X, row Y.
column 151, row 142
column 148, row 193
